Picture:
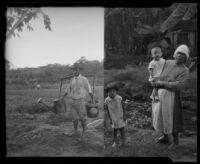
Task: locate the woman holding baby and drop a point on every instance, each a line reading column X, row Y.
column 167, row 114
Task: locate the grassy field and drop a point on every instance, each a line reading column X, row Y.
column 34, row 132
column 16, row 96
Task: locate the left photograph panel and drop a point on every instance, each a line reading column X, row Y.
column 54, row 81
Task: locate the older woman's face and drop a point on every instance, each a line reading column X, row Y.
column 180, row 58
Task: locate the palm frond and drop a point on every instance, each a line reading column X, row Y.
column 175, row 17
column 192, row 10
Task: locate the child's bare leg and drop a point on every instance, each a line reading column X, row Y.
column 114, row 137
column 122, row 136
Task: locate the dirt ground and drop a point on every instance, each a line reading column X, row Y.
column 141, row 143
column 33, row 135
column 33, row 131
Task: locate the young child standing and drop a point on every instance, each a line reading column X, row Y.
column 116, row 113
column 155, row 68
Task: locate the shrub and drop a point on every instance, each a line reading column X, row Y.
column 137, row 87
column 134, row 78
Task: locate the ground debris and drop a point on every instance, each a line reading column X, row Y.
column 139, row 114
column 28, row 116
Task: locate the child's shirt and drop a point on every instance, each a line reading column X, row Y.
column 157, row 67
column 116, row 111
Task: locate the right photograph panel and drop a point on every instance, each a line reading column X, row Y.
column 150, row 82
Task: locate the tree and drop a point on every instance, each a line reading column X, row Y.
column 82, row 60
column 181, row 11
column 17, row 18
column 129, row 31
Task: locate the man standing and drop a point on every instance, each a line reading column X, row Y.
column 77, row 92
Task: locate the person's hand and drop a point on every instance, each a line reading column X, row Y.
column 153, row 84
column 155, row 79
column 158, row 83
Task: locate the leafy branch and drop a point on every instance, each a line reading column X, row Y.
column 18, row 17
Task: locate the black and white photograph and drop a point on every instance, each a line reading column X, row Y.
column 150, row 82
column 54, row 81
column 102, row 81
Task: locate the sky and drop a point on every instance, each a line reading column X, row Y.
column 75, row 32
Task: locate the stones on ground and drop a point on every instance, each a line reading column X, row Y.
column 139, row 114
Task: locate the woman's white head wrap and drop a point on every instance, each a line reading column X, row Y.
column 184, row 49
